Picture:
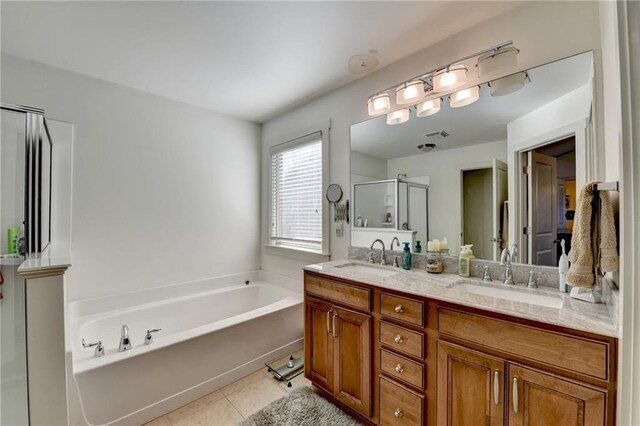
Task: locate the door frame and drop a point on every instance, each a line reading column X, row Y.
column 467, row 167
column 585, row 171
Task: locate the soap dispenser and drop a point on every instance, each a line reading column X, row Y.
column 463, row 261
column 406, row 257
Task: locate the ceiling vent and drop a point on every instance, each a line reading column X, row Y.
column 436, row 136
column 362, row 64
column 426, row 147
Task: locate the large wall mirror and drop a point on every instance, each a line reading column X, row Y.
column 504, row 170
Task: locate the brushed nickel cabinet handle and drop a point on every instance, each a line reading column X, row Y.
column 329, row 322
column 496, row 387
column 398, row 339
column 399, row 309
column 515, row 394
column 335, row 331
column 399, row 368
column 398, row 413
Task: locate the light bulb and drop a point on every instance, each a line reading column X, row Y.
column 465, row 97
column 379, row 104
column 398, row 117
column 450, row 78
column 410, row 92
column 428, row 108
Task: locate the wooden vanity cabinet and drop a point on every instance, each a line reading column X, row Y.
column 338, row 351
column 399, row 359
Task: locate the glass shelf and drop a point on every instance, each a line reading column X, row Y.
column 287, row 368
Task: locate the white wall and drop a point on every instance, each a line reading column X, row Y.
column 535, row 27
column 443, row 169
column 365, row 168
column 162, row 192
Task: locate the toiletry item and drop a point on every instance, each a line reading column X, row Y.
column 463, row 261
column 388, row 217
column 563, row 267
column 359, row 222
column 444, row 247
column 365, row 222
column 20, row 242
column 433, row 245
column 418, row 247
column 434, row 262
column 406, row 257
column 12, row 238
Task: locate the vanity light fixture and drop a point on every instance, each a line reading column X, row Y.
column 497, row 60
column 450, row 78
column 428, row 108
column 509, row 84
column 444, row 79
column 464, row 97
column 379, row 104
column 410, row 92
column 398, row 117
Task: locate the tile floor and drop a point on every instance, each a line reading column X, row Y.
column 233, row 403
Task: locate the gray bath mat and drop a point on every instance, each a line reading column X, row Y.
column 302, row 407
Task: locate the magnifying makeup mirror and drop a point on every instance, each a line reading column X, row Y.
column 334, row 193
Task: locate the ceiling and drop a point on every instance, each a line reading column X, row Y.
column 252, row 60
column 481, row 122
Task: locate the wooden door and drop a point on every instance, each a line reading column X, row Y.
column 352, row 359
column 470, row 387
column 500, row 195
column 542, row 214
column 318, row 344
column 537, row 398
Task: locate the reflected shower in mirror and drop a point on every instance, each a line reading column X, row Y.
column 498, row 172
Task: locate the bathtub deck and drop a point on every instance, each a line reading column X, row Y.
column 233, row 403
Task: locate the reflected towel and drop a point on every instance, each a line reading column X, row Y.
column 608, row 241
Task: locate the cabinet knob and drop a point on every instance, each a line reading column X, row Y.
column 398, row 339
column 399, row 309
column 398, row 413
column 399, row 368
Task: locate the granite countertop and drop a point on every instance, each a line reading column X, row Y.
column 572, row 313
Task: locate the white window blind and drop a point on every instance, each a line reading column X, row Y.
column 296, row 193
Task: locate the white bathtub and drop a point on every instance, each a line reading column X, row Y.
column 212, row 333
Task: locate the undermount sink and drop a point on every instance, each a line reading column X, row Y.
column 367, row 269
column 515, row 295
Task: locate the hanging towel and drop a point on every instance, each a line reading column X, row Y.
column 594, row 243
column 608, row 240
column 580, row 272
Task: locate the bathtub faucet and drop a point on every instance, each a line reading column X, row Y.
column 125, row 343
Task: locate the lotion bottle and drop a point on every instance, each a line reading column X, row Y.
column 463, row 260
column 563, row 267
column 406, row 257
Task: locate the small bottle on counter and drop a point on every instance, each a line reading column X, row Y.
column 434, row 262
column 563, row 267
column 463, row 260
column 418, row 247
column 406, row 257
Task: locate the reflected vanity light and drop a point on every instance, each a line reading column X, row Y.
column 428, row 108
column 497, row 60
column 379, row 104
column 464, row 97
column 410, row 92
column 398, row 117
column 509, row 84
column 450, row 78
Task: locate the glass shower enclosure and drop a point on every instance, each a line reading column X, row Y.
column 25, row 217
column 392, row 204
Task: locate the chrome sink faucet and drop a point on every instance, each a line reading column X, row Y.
column 395, row 240
column 125, row 342
column 505, row 260
column 383, row 261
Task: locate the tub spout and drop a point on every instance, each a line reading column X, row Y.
column 125, row 342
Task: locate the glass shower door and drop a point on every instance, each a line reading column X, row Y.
column 13, row 365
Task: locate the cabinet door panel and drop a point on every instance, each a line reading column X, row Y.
column 470, row 387
column 318, row 343
column 540, row 399
column 352, row 359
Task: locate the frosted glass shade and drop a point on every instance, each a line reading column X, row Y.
column 410, row 93
column 398, row 117
column 493, row 62
column 450, row 79
column 464, row 97
column 379, row 104
column 509, row 84
column 428, row 108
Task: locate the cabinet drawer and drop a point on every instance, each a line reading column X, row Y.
column 572, row 353
column 403, row 309
column 402, row 339
column 342, row 294
column 402, row 368
column 399, row 405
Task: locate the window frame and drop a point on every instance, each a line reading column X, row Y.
column 306, row 253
